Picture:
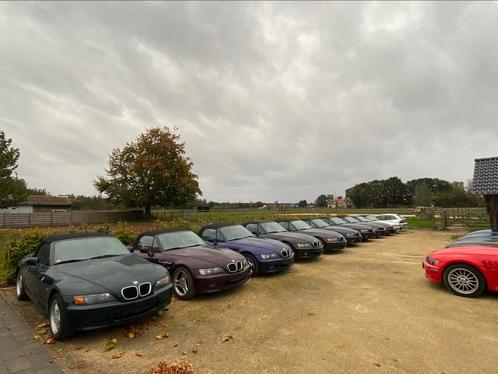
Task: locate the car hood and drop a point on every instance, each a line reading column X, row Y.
column 292, row 237
column 322, row 233
column 471, row 249
column 341, row 229
column 106, row 274
column 200, row 256
column 260, row 245
column 356, row 226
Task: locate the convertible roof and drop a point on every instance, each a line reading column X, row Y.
column 59, row 237
column 257, row 221
column 161, row 231
column 218, row 225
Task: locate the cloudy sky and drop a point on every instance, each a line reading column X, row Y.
column 275, row 101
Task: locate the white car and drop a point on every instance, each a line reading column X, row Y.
column 392, row 218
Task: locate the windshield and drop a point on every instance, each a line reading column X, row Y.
column 337, row 220
column 300, row 225
column 320, row 222
column 351, row 219
column 80, row 249
column 179, row 239
column 362, row 219
column 372, row 218
column 235, row 232
column 270, row 227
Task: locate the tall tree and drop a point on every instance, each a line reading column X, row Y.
column 321, row 201
column 302, row 204
column 12, row 188
column 151, row 171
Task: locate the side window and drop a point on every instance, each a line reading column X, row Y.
column 43, row 254
column 209, row 235
column 219, row 236
column 155, row 245
column 252, row 227
column 285, row 225
column 145, row 242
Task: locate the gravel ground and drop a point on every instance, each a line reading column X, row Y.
column 368, row 309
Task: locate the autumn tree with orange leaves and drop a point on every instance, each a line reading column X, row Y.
column 151, row 171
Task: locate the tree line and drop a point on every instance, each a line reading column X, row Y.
column 393, row 192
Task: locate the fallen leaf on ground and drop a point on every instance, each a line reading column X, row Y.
column 36, row 337
column 111, row 344
column 116, row 356
column 226, row 337
column 162, row 336
column 50, row 340
column 180, row 367
column 41, row 325
column 195, row 350
column 138, row 354
column 81, row 364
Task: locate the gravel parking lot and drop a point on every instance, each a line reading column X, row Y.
column 366, row 309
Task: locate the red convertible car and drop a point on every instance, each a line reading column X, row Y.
column 466, row 271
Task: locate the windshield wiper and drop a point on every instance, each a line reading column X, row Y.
column 104, row 256
column 73, row 260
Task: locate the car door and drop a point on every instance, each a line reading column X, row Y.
column 38, row 282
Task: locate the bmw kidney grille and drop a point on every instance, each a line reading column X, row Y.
column 235, row 266
column 133, row 292
column 285, row 253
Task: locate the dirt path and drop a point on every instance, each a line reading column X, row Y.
column 367, row 309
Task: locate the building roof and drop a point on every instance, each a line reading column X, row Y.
column 486, row 176
column 46, row 200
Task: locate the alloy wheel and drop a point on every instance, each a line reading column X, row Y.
column 180, row 282
column 463, row 281
column 19, row 284
column 55, row 317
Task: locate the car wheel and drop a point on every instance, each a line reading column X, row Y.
column 20, row 292
column 254, row 264
column 464, row 280
column 183, row 283
column 57, row 318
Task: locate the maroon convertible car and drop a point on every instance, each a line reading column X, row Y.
column 196, row 268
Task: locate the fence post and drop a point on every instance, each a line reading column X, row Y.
column 51, row 218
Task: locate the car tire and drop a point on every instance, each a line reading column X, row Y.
column 254, row 264
column 20, row 291
column 464, row 280
column 183, row 283
column 57, row 318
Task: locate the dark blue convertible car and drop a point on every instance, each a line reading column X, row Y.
column 265, row 255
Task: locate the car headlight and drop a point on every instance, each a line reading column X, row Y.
column 302, row 245
column 93, row 299
column 364, row 230
column 330, row 239
column 245, row 262
column 163, row 282
column 211, row 271
column 269, row 256
column 431, row 261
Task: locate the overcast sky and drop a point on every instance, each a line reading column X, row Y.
column 275, row 101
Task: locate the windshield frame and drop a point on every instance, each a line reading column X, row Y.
column 225, row 238
column 262, row 225
column 163, row 248
column 54, row 250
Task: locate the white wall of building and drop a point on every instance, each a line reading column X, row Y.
column 19, row 209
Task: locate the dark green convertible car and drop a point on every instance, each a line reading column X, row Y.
column 90, row 280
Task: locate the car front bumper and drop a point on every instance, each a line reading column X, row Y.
column 305, row 253
column 276, row 265
column 221, row 282
column 432, row 272
column 353, row 239
column 91, row 317
column 335, row 246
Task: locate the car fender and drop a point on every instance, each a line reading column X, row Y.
column 464, row 261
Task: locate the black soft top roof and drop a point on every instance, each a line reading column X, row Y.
column 76, row 235
column 257, row 221
column 161, row 231
column 218, row 225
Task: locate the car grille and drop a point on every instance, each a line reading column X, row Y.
column 133, row 292
column 285, row 253
column 235, row 266
column 316, row 244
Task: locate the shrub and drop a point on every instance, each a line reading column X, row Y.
column 23, row 246
column 125, row 233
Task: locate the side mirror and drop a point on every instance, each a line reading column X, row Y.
column 32, row 261
column 150, row 252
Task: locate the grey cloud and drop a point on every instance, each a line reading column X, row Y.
column 276, row 101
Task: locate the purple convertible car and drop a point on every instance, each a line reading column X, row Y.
column 265, row 255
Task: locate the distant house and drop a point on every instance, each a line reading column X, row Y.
column 336, row 203
column 41, row 203
column 486, row 183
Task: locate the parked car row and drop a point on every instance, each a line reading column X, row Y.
column 87, row 281
column 468, row 266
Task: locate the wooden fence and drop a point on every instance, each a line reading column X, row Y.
column 75, row 217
